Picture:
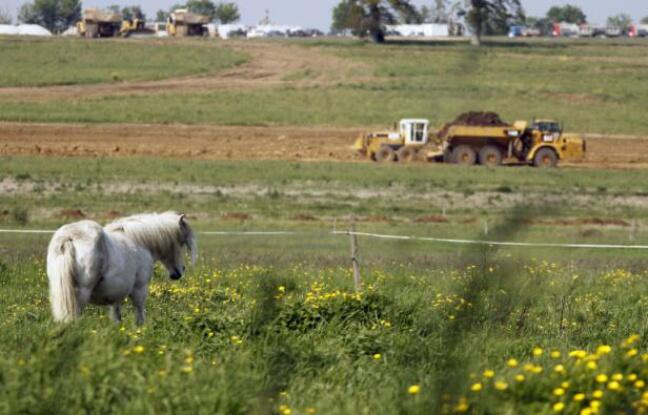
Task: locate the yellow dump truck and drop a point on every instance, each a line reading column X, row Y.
column 540, row 143
column 99, row 23
column 184, row 23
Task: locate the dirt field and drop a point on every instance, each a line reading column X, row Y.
column 270, row 64
column 236, row 143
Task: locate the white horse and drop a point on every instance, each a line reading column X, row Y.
column 90, row 264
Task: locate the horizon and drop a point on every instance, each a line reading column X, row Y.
column 318, row 15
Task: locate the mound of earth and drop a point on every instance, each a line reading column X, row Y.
column 475, row 118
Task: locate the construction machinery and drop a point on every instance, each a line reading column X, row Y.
column 474, row 138
column 182, row 23
column 135, row 26
column 99, row 23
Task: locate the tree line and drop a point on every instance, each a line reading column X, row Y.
column 369, row 18
column 58, row 15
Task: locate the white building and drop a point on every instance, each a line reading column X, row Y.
column 423, row 30
column 24, row 30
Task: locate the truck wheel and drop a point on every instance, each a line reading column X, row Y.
column 545, row 157
column 385, row 155
column 407, row 154
column 490, row 156
column 464, row 155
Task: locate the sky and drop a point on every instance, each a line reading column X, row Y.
column 317, row 13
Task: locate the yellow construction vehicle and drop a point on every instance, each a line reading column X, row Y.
column 98, row 23
column 133, row 27
column 541, row 143
column 184, row 23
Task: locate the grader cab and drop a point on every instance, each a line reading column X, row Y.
column 405, row 144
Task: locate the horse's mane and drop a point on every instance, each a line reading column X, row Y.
column 159, row 232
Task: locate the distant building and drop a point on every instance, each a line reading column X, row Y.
column 419, row 30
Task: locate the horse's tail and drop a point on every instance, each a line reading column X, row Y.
column 61, row 271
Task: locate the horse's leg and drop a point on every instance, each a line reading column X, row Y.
column 139, row 299
column 83, row 297
column 115, row 312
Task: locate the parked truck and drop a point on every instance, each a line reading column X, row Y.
column 98, row 23
column 474, row 138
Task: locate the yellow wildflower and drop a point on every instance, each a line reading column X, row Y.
column 613, row 386
column 601, row 378
column 512, row 362
column 598, row 394
column 558, row 407
column 555, row 354
column 632, row 353
column 414, row 390
column 501, row 385
column 476, row 387
column 489, row 373
column 618, row 377
column 537, row 351
column 462, row 406
column 579, row 397
column 603, row 349
column 377, row 356
column 519, row 378
column 559, row 369
column 559, row 391
column 138, row 349
column 639, row 384
column 591, row 365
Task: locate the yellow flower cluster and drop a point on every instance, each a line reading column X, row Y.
column 609, row 379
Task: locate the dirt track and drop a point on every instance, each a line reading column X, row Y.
column 242, row 143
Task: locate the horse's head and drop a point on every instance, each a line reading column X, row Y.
column 174, row 260
column 165, row 235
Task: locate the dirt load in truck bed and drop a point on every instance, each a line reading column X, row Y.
column 475, row 118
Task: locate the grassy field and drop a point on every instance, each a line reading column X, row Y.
column 592, row 86
column 59, row 61
column 272, row 324
column 488, row 334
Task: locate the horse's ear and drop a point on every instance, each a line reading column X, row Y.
column 183, row 219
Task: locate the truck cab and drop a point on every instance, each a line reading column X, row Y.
column 414, row 131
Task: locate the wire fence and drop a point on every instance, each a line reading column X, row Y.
column 449, row 241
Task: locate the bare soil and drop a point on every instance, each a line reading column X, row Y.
column 244, row 143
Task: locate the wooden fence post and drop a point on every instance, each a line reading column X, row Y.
column 354, row 256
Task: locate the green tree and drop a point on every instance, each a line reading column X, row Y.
column 132, row 12
column 644, row 20
column 621, row 21
column 161, row 16
column 347, row 16
column 491, row 17
column 227, row 13
column 567, row 14
column 55, row 15
column 203, row 7
column 440, row 12
column 369, row 17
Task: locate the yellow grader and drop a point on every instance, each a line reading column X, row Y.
column 474, row 138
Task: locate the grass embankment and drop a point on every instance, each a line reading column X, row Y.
column 65, row 61
column 592, row 86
